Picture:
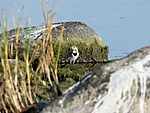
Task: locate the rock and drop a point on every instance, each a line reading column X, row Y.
column 90, row 46
column 121, row 86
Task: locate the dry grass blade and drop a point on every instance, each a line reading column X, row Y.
column 19, row 89
column 12, row 92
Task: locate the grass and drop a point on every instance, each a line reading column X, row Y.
column 18, row 77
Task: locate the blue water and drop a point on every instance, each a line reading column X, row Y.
column 124, row 25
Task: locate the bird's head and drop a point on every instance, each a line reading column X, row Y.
column 74, row 50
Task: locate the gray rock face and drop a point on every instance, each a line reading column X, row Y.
column 74, row 30
column 71, row 30
column 121, row 86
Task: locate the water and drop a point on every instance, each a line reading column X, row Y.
column 122, row 24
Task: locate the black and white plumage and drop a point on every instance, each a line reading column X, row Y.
column 73, row 54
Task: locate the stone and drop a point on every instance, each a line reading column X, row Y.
column 90, row 45
column 120, row 86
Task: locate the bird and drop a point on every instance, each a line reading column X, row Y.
column 73, row 54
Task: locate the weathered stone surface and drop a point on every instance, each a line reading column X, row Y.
column 121, row 86
column 90, row 46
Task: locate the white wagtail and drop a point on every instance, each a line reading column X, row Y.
column 73, row 54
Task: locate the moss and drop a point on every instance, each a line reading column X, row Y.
column 76, row 71
column 90, row 50
column 68, row 83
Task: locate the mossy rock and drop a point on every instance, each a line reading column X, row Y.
column 90, row 46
